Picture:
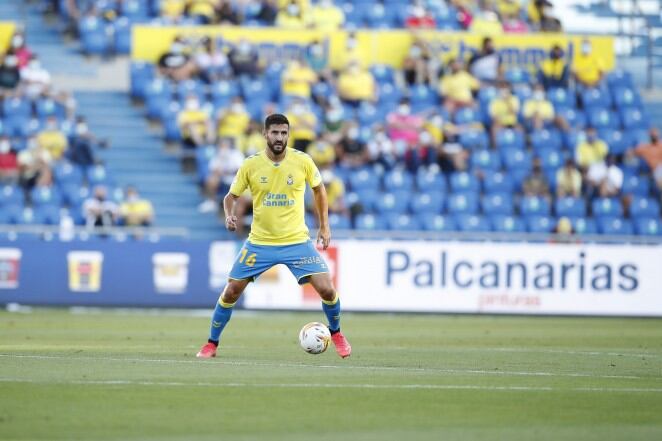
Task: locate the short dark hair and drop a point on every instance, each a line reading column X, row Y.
column 275, row 118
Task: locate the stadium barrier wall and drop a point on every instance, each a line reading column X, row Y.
column 375, row 46
column 414, row 276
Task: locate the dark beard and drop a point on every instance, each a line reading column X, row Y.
column 277, row 149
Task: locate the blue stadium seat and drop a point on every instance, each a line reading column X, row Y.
column 486, row 94
column 98, row 175
column 383, row 73
column 395, row 202
column 388, row 94
column 497, row 203
column 339, row 222
column 516, row 159
column 365, row 199
column 633, row 118
column 615, row 226
column 369, row 114
column 539, row 224
column 463, row 203
column 575, row 118
column 485, row 160
column 122, row 34
column 45, row 107
column 570, row 207
column 534, row 206
column 617, row 141
column 648, row 226
column 398, row 180
column 619, row 78
column 427, row 202
column 15, row 107
column 252, row 88
column 93, row 36
column 402, row 222
column 464, row 181
column 472, row 223
column 45, row 195
column 222, row 92
column 562, row 98
column 430, row 181
column 437, row 222
column 203, row 155
column 11, row 195
column 516, row 75
column 366, row 221
column 158, row 95
column 474, row 139
column 466, row 115
column 422, row 97
column 551, row 159
column 496, row 182
column 626, row 97
column 642, row 206
column 509, row 139
column 637, row 185
column 141, row 75
column 595, row 98
column 190, row 87
column 546, row 139
column 507, row 224
column 322, row 90
column 603, row 119
column 46, row 215
column 67, row 173
column 582, row 225
column 363, row 179
column 607, row 207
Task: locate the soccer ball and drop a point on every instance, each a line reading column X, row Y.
column 314, row 337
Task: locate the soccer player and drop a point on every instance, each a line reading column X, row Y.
column 276, row 178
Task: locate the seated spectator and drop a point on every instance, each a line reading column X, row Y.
column 226, row 14
column 457, row 87
column 402, row 125
column 334, row 123
column 351, row 150
column 652, row 154
column 382, row 150
column 464, row 14
column 176, row 63
column 591, row 150
column 322, row 152
column 8, row 162
column 233, row 121
column 605, row 178
column 486, row 22
column 504, row 110
column 422, row 154
column 203, row 11
column 81, row 143
column 136, row 211
column 536, row 183
column 18, row 47
column 420, row 18
column 554, row 71
column 210, row 62
column 564, row 231
column 297, row 79
column 317, row 58
column 588, row 67
column 194, row 123
column 222, row 169
column 539, row 111
column 268, row 12
column 335, row 192
column 356, row 85
column 253, row 140
column 453, row 157
column 303, row 125
column 244, row 59
column 10, row 76
column 35, row 80
column 485, row 65
column 52, row 139
column 292, row 17
column 325, row 16
column 541, row 16
column 509, row 13
column 416, row 66
column 351, row 52
column 568, row 180
column 99, row 211
column 32, row 162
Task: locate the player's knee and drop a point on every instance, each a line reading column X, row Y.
column 232, row 292
column 327, row 292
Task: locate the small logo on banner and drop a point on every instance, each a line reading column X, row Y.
column 85, row 269
column 10, row 263
column 170, row 272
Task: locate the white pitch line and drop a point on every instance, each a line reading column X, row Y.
column 334, row 386
column 312, row 366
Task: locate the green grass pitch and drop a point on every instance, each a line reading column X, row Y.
column 116, row 375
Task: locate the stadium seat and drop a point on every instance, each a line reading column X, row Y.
column 402, row 222
column 339, row 222
column 648, row 226
column 466, row 115
column 497, row 204
column 633, row 118
column 539, row 224
column 642, row 206
column 637, row 185
column 619, row 78
column 575, row 118
column 464, row 181
column 472, row 223
column 428, row 202
column 516, row 159
column 141, row 75
column 485, row 160
column 570, row 207
column 364, row 179
column 595, row 97
column 626, row 97
column 366, row 221
column 615, row 226
column 582, row 225
column 607, row 207
column 551, row 159
column 509, row 139
column 45, row 195
column 474, row 139
column 534, row 206
column 561, row 98
column 437, row 222
column 46, row 215
column 516, row 75
column 497, row 182
column 98, row 175
column 617, row 140
column 369, row 114
column 222, row 92
column 383, row 73
column 366, row 199
column 507, row 224
column 11, row 195
column 546, row 139
column 463, row 203
column 602, row 119
column 395, row 202
column 389, row 95
column 427, row 180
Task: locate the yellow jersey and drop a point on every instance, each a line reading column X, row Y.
column 278, row 196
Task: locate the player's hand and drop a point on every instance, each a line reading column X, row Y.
column 231, row 222
column 324, row 237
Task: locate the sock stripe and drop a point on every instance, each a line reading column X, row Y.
column 331, row 302
column 224, row 304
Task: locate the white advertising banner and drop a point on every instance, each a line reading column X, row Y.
column 475, row 277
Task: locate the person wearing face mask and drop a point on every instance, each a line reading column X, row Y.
column 81, row 145
column 8, row 162
column 222, row 168
column 317, row 57
column 419, row 18
column 244, row 59
column 403, row 125
column 52, row 139
column 457, row 87
column 416, row 65
column 356, row 85
column 99, row 211
column 253, row 140
column 503, row 111
column 322, row 152
column 20, row 49
column 176, row 63
column 588, row 67
column 485, row 65
column 10, row 75
column 298, row 79
column 652, row 153
column 204, row 11
column 351, row 151
column 303, row 125
column 554, row 71
column 194, row 123
column 325, row 16
column 35, row 79
column 591, row 150
column 538, row 111
column 135, row 211
column 233, row 121
column 268, row 12
column 292, row 16
column 422, row 154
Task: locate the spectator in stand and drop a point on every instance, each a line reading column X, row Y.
column 382, row 150
column 32, row 161
column 485, row 65
column 416, row 67
column 136, row 211
column 588, row 67
column 322, row 152
column 420, row 18
column 226, row 14
column 402, row 125
column 652, row 154
column 554, row 71
column 52, row 139
column 176, row 63
column 81, row 151
column 210, row 62
column 591, row 150
column 335, row 192
column 356, row 85
column 292, row 17
column 244, row 59
column 99, row 211
column 351, row 150
column 20, row 49
column 233, row 121
column 486, row 22
column 457, row 87
column 541, row 16
column 351, row 53
column 303, row 125
column 568, row 180
column 8, row 162
column 10, row 76
column 509, row 11
column 268, row 12
column 194, row 123
column 422, row 154
column 253, row 140
column 222, row 169
column 504, row 110
column 298, row 79
column 605, row 178
column 334, row 123
column 203, row 11
column 325, row 16
column 536, row 183
column 464, row 14
column 35, row 80
column 539, row 111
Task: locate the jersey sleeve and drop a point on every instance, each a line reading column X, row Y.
column 313, row 177
column 240, row 182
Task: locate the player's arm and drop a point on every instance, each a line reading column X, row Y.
column 229, row 202
column 322, row 207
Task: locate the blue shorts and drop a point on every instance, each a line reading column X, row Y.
column 302, row 259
